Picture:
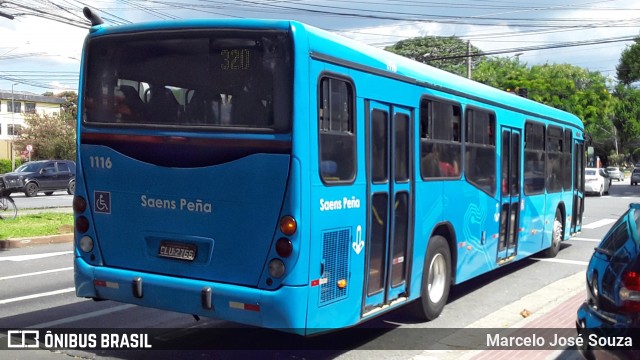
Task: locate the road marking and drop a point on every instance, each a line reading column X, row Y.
column 585, row 239
column 36, row 273
column 82, row 316
column 35, row 296
column 563, row 261
column 33, row 256
column 599, row 223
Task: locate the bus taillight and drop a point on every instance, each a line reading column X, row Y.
column 79, row 204
column 288, row 225
column 82, row 224
column 276, row 268
column 86, row 244
column 284, row 247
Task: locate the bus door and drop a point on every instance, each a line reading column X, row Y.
column 578, row 186
column 510, row 196
column 389, row 209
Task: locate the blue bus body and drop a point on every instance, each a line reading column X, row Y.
column 187, row 217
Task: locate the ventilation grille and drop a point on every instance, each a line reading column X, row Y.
column 335, row 255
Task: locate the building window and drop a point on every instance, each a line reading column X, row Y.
column 30, row 108
column 14, row 130
column 13, row 106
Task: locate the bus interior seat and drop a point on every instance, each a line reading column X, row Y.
column 162, row 105
column 199, row 108
column 249, row 110
column 132, row 100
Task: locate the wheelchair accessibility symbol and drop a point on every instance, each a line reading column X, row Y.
column 102, row 204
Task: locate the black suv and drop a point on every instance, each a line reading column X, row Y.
column 44, row 175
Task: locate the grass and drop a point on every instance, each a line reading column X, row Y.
column 36, row 225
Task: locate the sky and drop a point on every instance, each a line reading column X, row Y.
column 42, row 45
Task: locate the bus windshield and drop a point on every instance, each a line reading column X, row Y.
column 191, row 78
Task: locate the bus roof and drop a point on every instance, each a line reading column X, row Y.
column 324, row 42
column 335, row 48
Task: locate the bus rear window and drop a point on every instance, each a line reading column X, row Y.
column 194, row 78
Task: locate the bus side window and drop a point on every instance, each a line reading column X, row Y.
column 480, row 166
column 440, row 140
column 336, row 127
column 534, row 157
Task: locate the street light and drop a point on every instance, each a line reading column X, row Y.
column 13, row 124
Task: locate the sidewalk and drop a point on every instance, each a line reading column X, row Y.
column 553, row 307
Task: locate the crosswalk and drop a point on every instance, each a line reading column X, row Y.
column 599, row 223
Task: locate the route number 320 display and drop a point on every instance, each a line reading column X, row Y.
column 235, row 59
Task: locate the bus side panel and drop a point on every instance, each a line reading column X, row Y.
column 567, row 199
column 429, row 202
column 476, row 228
column 532, row 225
column 337, row 227
column 553, row 199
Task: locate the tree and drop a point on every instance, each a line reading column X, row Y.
column 562, row 86
column 628, row 69
column 502, row 73
column 52, row 136
column 451, row 52
column 627, row 116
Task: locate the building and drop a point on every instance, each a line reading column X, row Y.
column 13, row 108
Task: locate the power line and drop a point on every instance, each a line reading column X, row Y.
column 538, row 47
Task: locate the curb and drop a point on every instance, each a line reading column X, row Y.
column 36, row 240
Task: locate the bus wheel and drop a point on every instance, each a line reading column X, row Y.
column 556, row 236
column 436, row 280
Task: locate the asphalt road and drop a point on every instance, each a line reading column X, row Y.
column 59, row 199
column 37, row 292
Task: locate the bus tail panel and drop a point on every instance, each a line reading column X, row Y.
column 240, row 304
column 214, row 223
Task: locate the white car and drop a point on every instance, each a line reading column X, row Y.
column 596, row 181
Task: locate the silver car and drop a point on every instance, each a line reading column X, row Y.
column 615, row 173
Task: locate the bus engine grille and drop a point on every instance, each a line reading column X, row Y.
column 335, row 255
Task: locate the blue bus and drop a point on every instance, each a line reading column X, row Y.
column 274, row 174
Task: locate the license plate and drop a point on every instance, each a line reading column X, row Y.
column 177, row 250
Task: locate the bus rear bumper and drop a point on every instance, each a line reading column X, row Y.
column 271, row 309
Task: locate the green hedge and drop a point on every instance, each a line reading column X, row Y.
column 5, row 165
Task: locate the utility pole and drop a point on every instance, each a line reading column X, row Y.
column 468, row 59
column 13, row 130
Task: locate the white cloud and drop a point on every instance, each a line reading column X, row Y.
column 30, row 35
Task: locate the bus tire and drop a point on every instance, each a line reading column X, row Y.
column 556, row 236
column 436, row 280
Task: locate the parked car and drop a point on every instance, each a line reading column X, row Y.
column 635, row 176
column 615, row 173
column 596, row 181
column 44, row 175
column 612, row 307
